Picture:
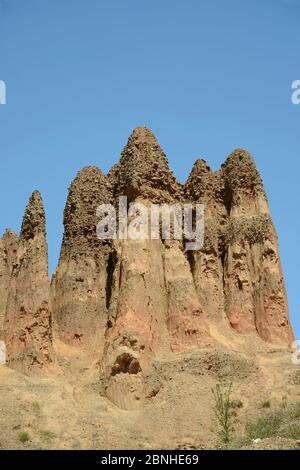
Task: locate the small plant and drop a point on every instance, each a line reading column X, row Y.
column 281, row 423
column 265, row 426
column 36, row 406
column 284, row 401
column 291, row 431
column 223, row 411
column 296, row 378
column 23, row 437
column 47, row 436
column 295, row 410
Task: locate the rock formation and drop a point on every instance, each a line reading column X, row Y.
column 143, row 171
column 79, row 285
column 28, row 325
column 254, row 286
column 203, row 186
column 8, row 257
column 238, row 270
column 135, row 299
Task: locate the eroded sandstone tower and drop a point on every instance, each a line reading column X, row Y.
column 28, row 323
column 135, row 300
column 79, row 285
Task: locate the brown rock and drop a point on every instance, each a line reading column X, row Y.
column 254, row 286
column 27, row 326
column 8, row 257
column 79, row 285
column 187, row 322
column 137, row 327
column 139, row 300
column 204, row 186
column 143, row 170
column 148, row 313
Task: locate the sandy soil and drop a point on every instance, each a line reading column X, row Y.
column 65, row 409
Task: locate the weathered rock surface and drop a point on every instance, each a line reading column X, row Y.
column 79, row 285
column 135, row 300
column 238, row 270
column 8, row 257
column 137, row 327
column 204, row 186
column 253, row 281
column 143, row 171
column 28, row 323
column 187, row 322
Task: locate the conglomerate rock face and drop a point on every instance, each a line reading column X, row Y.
column 139, row 298
column 143, row 171
column 255, row 298
column 79, row 285
column 204, row 186
column 154, row 306
column 8, row 258
column 28, row 323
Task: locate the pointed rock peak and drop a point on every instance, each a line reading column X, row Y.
column 202, row 182
column 142, row 144
column 142, row 135
column 88, row 173
column 144, row 171
column 34, row 220
column 89, row 189
column 240, row 172
column 239, row 155
column 10, row 235
column 200, row 167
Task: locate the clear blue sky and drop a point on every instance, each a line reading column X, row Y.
column 206, row 75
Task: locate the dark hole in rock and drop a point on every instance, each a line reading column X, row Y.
column 126, row 364
column 78, row 336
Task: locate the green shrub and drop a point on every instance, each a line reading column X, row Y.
column 23, row 436
column 295, row 410
column 36, row 406
column 284, row 402
column 47, row 435
column 296, row 378
column 291, row 431
column 223, row 411
column 264, row 426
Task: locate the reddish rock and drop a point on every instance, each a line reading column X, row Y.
column 187, row 322
column 79, row 285
column 28, row 323
column 254, row 287
column 204, row 186
column 143, row 171
column 8, row 257
column 138, row 299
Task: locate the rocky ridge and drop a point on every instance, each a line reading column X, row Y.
column 136, row 300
